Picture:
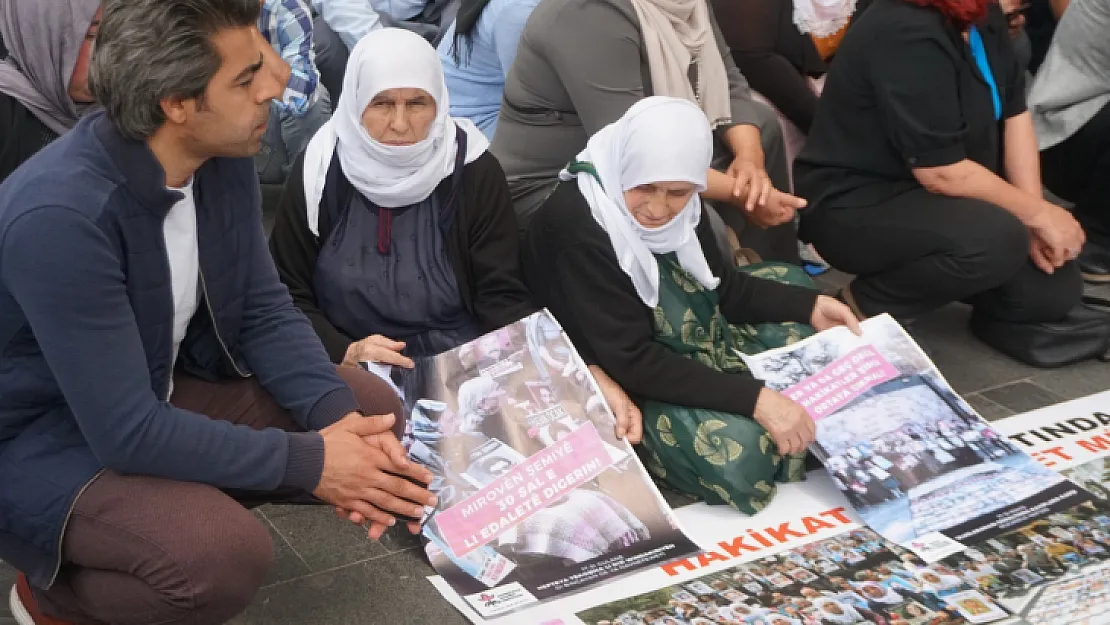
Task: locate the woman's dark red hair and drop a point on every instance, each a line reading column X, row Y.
column 962, row 13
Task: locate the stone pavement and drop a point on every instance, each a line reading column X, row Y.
column 327, row 573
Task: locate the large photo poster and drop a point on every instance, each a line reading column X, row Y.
column 913, row 458
column 1054, row 580
column 1055, row 570
column 856, row 577
column 537, row 496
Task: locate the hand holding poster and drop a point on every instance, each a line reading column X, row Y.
column 914, row 459
column 537, row 496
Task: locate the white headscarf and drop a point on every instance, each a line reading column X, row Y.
column 947, row 582
column 822, row 18
column 389, row 176
column 848, row 614
column 659, row 139
column 889, row 597
column 473, row 391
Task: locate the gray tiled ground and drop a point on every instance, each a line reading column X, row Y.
column 328, row 574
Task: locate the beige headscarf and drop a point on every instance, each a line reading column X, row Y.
column 676, row 32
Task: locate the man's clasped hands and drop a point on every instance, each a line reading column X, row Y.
column 365, row 471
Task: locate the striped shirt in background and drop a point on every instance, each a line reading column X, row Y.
column 287, row 25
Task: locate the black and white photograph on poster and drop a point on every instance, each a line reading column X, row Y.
column 1055, row 569
column 914, row 459
column 536, row 495
column 887, row 586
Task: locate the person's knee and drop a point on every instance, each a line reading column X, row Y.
column 770, row 129
column 773, row 141
column 231, row 564
column 374, row 395
column 993, row 248
column 1050, row 297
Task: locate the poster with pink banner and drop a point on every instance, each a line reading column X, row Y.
column 537, row 497
column 914, row 459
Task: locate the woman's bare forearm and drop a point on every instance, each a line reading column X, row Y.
column 719, row 188
column 1022, row 158
column 969, row 179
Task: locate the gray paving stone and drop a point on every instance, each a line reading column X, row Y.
column 1079, row 380
column 968, row 365
column 288, row 564
column 392, row 589
column 275, row 511
column 1022, row 396
column 323, row 541
column 398, row 538
column 986, row 408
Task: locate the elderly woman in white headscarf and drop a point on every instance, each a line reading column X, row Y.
column 939, row 584
column 621, row 256
column 396, row 234
column 833, row 612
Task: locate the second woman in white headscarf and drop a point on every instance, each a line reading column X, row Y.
column 621, row 255
column 833, row 612
column 396, row 234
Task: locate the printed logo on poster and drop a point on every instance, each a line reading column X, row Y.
column 500, row 600
column 934, row 546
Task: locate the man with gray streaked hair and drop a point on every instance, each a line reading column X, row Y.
column 155, row 375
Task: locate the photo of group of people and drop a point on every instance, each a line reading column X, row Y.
column 1055, row 570
column 910, row 455
column 856, row 577
column 479, row 411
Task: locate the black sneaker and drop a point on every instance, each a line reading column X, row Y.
column 1094, row 262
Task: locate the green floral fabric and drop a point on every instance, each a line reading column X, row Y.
column 722, row 458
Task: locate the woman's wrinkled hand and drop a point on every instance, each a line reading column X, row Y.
column 1056, row 238
column 749, row 175
column 790, row 426
column 780, row 208
column 629, row 419
column 380, row 349
column 831, row 313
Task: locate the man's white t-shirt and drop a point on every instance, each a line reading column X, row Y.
column 180, row 231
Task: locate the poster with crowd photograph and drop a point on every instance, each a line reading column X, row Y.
column 912, row 457
column 536, row 495
column 811, row 548
column 1055, row 570
column 856, row 577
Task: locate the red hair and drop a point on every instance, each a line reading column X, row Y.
column 962, row 13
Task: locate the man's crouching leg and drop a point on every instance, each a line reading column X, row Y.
column 142, row 550
column 374, row 396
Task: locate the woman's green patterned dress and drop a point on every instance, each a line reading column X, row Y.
column 720, row 457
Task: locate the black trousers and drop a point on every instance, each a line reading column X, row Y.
column 921, row 251
column 1078, row 170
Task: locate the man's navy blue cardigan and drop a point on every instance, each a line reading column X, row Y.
column 86, row 320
